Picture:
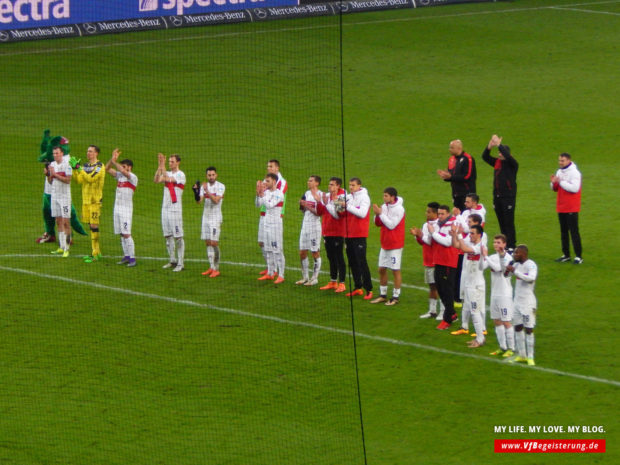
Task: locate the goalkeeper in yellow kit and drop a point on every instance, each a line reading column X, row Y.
column 92, row 175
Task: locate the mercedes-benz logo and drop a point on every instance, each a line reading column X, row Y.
column 90, row 28
column 176, row 20
column 425, row 2
column 260, row 13
column 4, row 36
column 344, row 7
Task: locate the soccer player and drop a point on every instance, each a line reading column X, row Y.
column 526, row 271
column 126, row 183
column 273, row 166
column 390, row 217
column 272, row 198
column 332, row 209
column 172, row 208
column 474, row 284
column 445, row 258
column 473, row 219
column 92, row 177
column 310, row 236
column 59, row 173
column 424, row 239
column 501, row 297
column 358, row 221
column 211, row 193
column 567, row 183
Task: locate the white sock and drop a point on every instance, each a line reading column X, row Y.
column 432, row 305
column 170, row 248
column 304, row 268
column 383, row 290
column 271, row 263
column 280, row 262
column 466, row 313
column 520, row 343
column 317, row 268
column 483, row 315
column 529, row 345
column 131, row 247
column 180, row 250
column 124, row 246
column 510, row 338
column 265, row 256
column 396, row 293
column 500, row 331
column 210, row 257
column 216, row 257
column 476, row 318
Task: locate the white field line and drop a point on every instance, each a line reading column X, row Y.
column 583, row 10
column 203, row 260
column 301, row 28
column 305, row 325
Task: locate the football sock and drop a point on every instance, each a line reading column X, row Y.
column 304, row 268
column 68, row 240
column 131, row 248
column 465, row 317
column 383, row 290
column 500, row 331
column 170, row 247
column 180, row 250
column 520, row 343
column 271, row 263
column 317, row 268
column 476, row 318
column 210, row 257
column 396, row 293
column 94, row 241
column 483, row 315
column 529, row 345
column 62, row 243
column 280, row 263
column 124, row 246
column 216, row 257
column 510, row 338
column 265, row 255
column 432, row 305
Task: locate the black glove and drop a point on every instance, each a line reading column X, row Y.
column 196, row 189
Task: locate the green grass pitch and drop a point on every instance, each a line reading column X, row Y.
column 106, row 365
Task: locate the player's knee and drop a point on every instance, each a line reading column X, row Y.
column 518, row 328
column 126, row 236
column 529, row 330
column 94, row 228
column 303, row 254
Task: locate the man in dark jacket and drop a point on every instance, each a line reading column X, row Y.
column 461, row 174
column 504, row 187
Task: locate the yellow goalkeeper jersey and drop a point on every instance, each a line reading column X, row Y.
column 91, row 176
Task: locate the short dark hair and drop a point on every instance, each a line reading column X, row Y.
column 275, row 162
column 433, row 206
column 316, row 178
column 476, row 218
column 356, row 180
column 443, row 207
column 95, row 147
column 127, row 162
column 272, row 176
column 477, row 228
column 473, row 196
column 210, row 168
column 336, row 180
column 391, row 191
column 178, row 158
column 565, row 155
column 500, row 237
column 522, row 247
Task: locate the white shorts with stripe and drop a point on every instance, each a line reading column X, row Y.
column 210, row 230
column 122, row 220
column 390, row 259
column 172, row 223
column 524, row 314
column 310, row 237
column 502, row 308
column 273, row 237
column 474, row 299
column 61, row 206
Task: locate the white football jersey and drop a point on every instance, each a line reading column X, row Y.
column 212, row 210
column 125, row 187
column 272, row 201
column 310, row 218
column 526, row 274
column 60, row 188
column 501, row 286
column 167, row 203
column 473, row 267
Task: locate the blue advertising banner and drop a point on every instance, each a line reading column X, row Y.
column 25, row 14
